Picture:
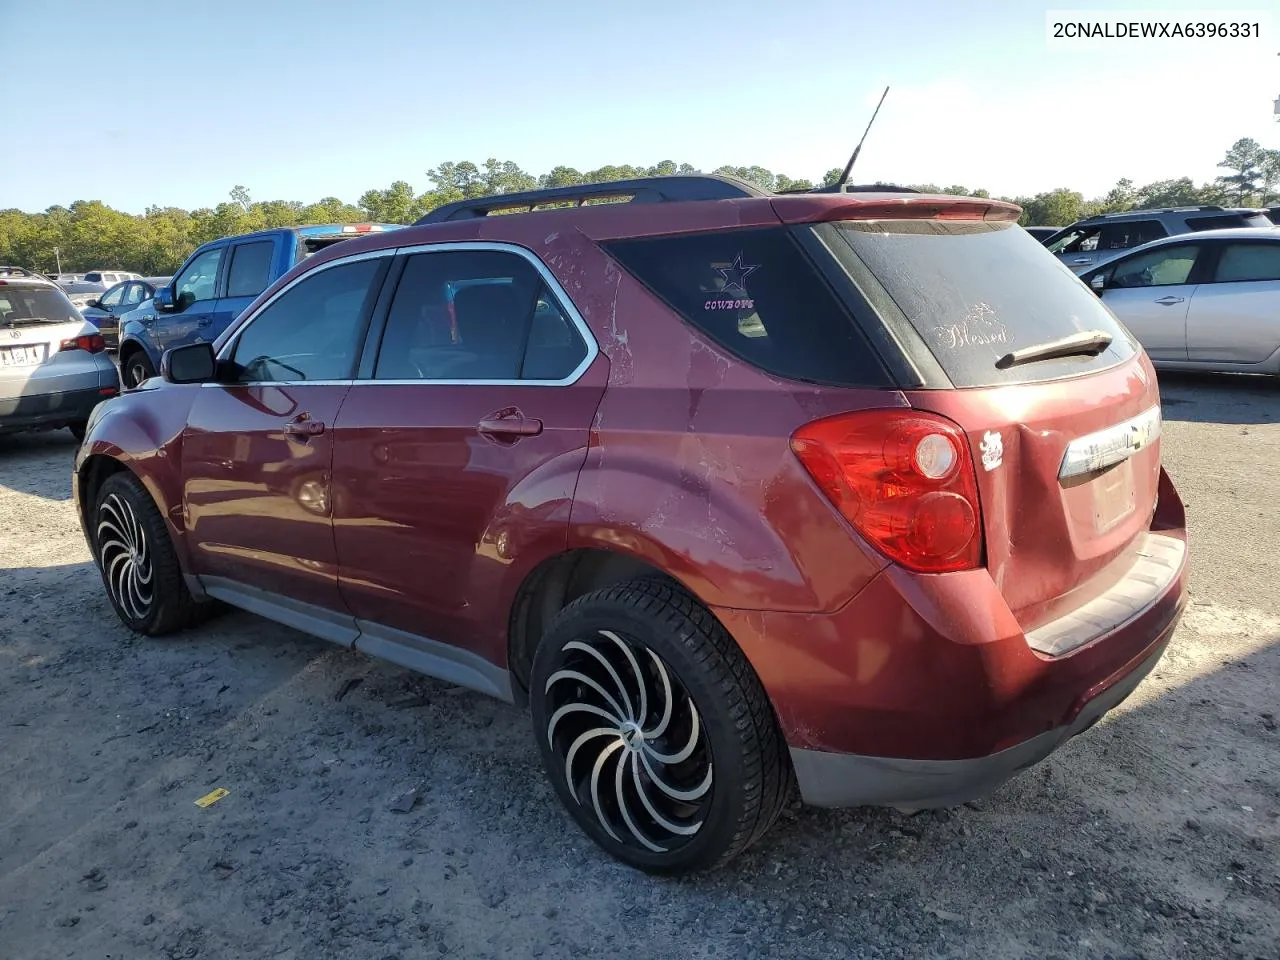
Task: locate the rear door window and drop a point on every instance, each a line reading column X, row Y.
column 1248, row 262
column 1130, row 233
column 476, row 315
column 250, row 269
column 974, row 291
column 755, row 293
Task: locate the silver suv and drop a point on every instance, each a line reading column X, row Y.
column 1094, row 240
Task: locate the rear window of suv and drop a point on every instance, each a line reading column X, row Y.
column 1222, row 221
column 23, row 306
column 754, row 293
column 974, row 291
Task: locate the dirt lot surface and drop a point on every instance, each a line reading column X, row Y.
column 1156, row 834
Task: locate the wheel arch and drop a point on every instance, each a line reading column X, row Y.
column 555, row 583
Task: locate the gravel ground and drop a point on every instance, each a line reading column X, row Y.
column 1156, row 834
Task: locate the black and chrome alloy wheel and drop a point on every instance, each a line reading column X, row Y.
column 125, row 557
column 654, row 730
column 632, row 743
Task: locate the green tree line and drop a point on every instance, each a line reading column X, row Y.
column 90, row 234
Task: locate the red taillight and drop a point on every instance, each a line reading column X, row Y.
column 92, row 342
column 905, row 480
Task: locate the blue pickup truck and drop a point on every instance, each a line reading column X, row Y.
column 214, row 285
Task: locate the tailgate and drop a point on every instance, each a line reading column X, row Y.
column 1067, row 477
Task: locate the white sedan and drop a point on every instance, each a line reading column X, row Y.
column 53, row 368
column 1200, row 301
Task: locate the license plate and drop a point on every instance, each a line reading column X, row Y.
column 21, row 356
column 1113, row 497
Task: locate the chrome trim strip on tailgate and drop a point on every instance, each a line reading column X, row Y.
column 1103, row 449
column 1159, row 560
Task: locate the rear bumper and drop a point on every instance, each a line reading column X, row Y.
column 53, row 409
column 850, row 780
column 924, row 690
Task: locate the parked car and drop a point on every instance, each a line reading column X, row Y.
column 1094, row 240
column 105, row 311
column 95, row 282
column 1042, row 233
column 1273, row 214
column 734, row 489
column 53, row 368
column 215, row 283
column 1205, row 302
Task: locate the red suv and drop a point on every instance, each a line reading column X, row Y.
column 857, row 492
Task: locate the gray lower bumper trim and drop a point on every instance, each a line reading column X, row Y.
column 851, row 780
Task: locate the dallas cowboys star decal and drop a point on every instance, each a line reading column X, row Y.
column 735, row 275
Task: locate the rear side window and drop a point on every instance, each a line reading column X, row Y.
column 975, row 291
column 250, row 270
column 755, row 293
column 1130, row 233
column 1219, row 221
column 1248, row 261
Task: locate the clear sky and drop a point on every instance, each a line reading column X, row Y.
column 139, row 103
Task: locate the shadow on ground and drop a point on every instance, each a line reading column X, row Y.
column 1219, row 398
column 24, row 463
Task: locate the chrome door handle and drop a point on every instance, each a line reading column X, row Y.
column 508, row 426
column 1169, row 301
column 1083, row 260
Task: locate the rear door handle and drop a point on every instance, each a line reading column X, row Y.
column 303, row 427
column 509, row 426
column 1169, row 301
column 1083, row 260
column 204, row 321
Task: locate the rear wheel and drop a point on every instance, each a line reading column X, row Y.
column 654, row 729
column 137, row 368
column 136, row 558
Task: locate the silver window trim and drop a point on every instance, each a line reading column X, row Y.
column 567, row 307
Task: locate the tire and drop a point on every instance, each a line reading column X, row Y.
column 686, row 793
column 78, row 429
column 137, row 561
column 136, row 369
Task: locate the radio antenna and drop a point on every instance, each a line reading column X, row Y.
column 848, row 167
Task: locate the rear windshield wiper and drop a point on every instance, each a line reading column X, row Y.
column 25, row 321
column 1086, row 343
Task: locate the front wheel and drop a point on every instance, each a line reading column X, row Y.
column 136, row 558
column 137, row 369
column 654, row 729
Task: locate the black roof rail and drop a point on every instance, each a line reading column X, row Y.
column 641, row 190
column 6, row 271
column 1189, row 208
